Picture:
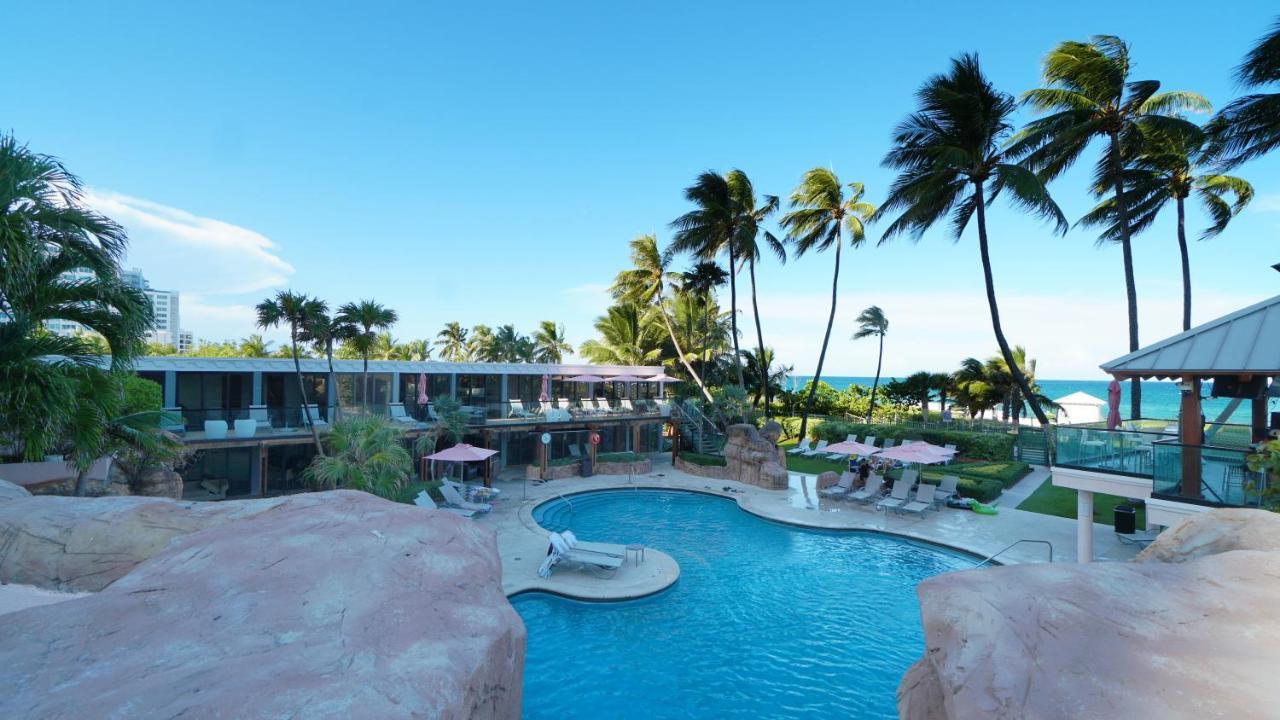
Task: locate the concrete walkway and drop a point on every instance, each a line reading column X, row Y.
column 522, row 544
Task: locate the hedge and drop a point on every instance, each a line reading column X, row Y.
column 620, row 457
column 701, row 459
column 972, row 445
column 410, row 491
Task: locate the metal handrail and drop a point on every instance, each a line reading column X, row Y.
column 1013, row 545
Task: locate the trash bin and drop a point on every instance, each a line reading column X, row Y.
column 586, row 467
column 1126, row 519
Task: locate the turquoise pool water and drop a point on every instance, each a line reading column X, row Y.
column 766, row 621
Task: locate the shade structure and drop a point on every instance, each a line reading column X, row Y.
column 661, row 378
column 1113, row 405
column 587, row 379
column 849, row 447
column 625, row 379
column 545, row 395
column 910, row 454
column 422, row 389
column 928, row 447
column 463, row 452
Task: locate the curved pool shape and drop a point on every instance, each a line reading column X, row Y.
column 767, row 620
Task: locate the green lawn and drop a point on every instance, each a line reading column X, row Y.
column 1049, row 499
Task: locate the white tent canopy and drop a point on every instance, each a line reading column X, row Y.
column 1080, row 407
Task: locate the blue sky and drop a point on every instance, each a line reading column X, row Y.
column 489, row 162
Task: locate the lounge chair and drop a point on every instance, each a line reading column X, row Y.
column 817, row 449
column 871, row 440
column 952, row 448
column 398, row 415
column 517, row 409
column 594, row 562
column 594, row 547
column 946, row 488
column 314, row 411
column 840, row 489
column 259, row 413
column 422, row 499
column 801, row 447
column 662, row 407
column 453, row 498
column 910, row 475
column 889, row 442
column 923, row 501
column 869, row 493
column 897, row 498
column 625, row 407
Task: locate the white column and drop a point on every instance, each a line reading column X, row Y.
column 1084, row 526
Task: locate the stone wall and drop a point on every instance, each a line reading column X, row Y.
column 326, row 605
column 752, row 456
column 560, row 472
column 1191, row 630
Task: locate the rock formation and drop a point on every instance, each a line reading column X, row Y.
column 754, row 459
column 1192, row 630
column 333, row 604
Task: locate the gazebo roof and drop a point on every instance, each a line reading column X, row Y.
column 1080, row 398
column 1245, row 342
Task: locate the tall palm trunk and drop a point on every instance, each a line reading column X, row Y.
column 871, row 408
column 1014, row 369
column 831, row 319
column 733, row 319
column 662, row 310
column 302, row 390
column 1126, row 247
column 1186, row 264
column 364, row 382
column 330, row 388
column 764, row 365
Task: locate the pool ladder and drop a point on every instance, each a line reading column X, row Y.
column 1013, row 545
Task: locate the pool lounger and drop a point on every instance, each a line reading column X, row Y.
column 871, row 492
column 424, row 500
column 897, row 498
column 840, row 489
column 593, row 562
column 923, row 501
column 593, row 547
column 453, row 498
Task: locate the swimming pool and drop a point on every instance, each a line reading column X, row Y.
column 766, row 621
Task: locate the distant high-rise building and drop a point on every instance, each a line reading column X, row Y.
column 166, row 326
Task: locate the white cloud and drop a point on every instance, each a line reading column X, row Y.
column 178, row 250
column 1266, row 203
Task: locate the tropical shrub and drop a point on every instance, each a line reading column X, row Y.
column 411, row 490
column 972, row 445
column 365, row 453
column 729, row 404
column 620, row 457
column 982, row 490
column 140, row 395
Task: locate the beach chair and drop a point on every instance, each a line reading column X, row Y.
column 840, row 489
column 398, row 415
column 602, row 548
column 889, row 442
column 259, row 414
column 869, row 493
column 871, row 440
column 911, row 475
column 518, row 410
column 897, row 498
column 625, row 407
column 923, row 501
column 801, row 447
column 946, row 488
column 316, row 420
column 422, row 499
column 594, row 562
column 817, row 449
column 663, row 407
column 453, row 498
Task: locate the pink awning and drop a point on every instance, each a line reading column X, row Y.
column 463, row 452
column 849, row 447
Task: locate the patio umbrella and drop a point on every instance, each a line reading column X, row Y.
column 625, row 379
column 462, row 453
column 928, row 447
column 1113, row 403
column 545, row 395
column 422, row 389
column 849, row 447
column 662, row 378
column 587, row 379
column 910, row 453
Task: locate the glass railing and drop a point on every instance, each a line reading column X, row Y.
column 572, row 410
column 1120, row 452
column 1225, row 478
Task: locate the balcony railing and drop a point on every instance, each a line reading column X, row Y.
column 1225, row 479
column 1117, row 452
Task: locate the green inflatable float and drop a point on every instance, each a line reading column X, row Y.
column 981, row 509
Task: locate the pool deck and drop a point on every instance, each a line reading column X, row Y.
column 523, row 544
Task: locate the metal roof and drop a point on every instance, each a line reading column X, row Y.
column 321, row 365
column 1246, row 342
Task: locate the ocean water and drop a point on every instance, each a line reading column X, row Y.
column 1160, row 399
column 766, row 620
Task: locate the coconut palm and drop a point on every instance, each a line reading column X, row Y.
column 512, row 346
column 1249, row 127
column 644, row 285
column 701, row 281
column 951, row 162
column 873, row 323
column 295, row 310
column 717, row 225
column 1089, row 96
column 820, row 215
column 1168, row 168
column 919, row 387
column 549, row 344
column 974, row 388
column 774, row 373
column 452, row 341
column 750, row 239
column 255, row 346
column 999, row 377
column 413, row 351
column 367, row 317
column 626, row 338
column 323, row 331
column 482, row 345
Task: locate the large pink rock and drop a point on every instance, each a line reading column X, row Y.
column 1172, row 640
column 322, row 605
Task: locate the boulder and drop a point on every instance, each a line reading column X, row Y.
column 753, row 459
column 161, row 482
column 1213, row 532
column 333, row 604
column 1198, row 637
column 828, row 479
column 9, row 491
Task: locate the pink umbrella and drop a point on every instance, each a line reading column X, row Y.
column 927, row 447
column 422, row 389
column 587, row 379
column 545, row 395
column 1113, row 402
column 849, row 447
column 626, row 379
column 463, row 452
column 908, row 453
column 661, row 378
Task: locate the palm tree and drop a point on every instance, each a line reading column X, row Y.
column 717, row 225
column 974, row 387
column 367, row 317
column 820, row 215
column 873, row 323
column 254, row 347
column 322, row 331
column 749, row 238
column 1168, row 167
column 452, row 341
column 644, row 285
column 999, row 377
column 1090, row 95
column 625, row 338
column 919, row 385
column 413, row 351
column 1249, row 127
column 549, row 344
column 943, row 385
column 764, row 365
column 512, row 346
column 948, row 150
column 482, row 346
column 295, row 310
column 701, row 281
